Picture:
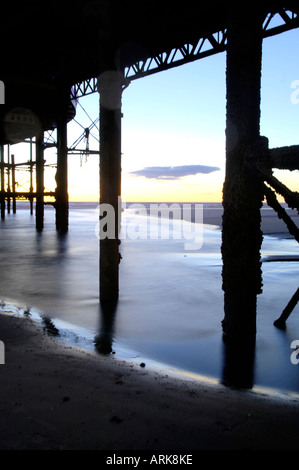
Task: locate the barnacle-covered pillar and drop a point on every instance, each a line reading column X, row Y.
column 110, row 84
column 242, row 191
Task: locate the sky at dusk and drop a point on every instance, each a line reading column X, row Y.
column 173, row 129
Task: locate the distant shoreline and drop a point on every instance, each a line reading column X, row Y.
column 212, row 213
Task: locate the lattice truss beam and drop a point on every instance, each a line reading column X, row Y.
column 206, row 46
column 274, row 23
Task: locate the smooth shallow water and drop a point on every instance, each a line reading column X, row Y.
column 171, row 303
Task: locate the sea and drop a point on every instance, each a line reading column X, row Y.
column 170, row 303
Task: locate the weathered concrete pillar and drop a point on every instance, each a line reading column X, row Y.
column 61, row 192
column 242, row 191
column 110, row 85
column 39, row 208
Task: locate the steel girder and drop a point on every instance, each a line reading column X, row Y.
column 275, row 22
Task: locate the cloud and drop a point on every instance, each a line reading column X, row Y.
column 173, row 172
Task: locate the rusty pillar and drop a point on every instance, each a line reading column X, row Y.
column 39, row 208
column 110, row 89
column 13, row 183
column 61, row 192
column 31, row 179
column 8, row 179
column 242, row 191
column 2, row 189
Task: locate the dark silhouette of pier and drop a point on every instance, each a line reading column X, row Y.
column 69, row 49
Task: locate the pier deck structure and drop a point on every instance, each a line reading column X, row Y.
column 66, row 50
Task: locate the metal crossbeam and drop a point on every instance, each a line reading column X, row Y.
column 204, row 47
column 280, row 21
column 87, row 87
column 275, row 22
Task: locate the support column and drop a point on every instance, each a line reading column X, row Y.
column 242, row 192
column 31, row 180
column 2, row 188
column 61, row 192
column 39, row 209
column 110, row 88
column 8, row 179
column 13, row 182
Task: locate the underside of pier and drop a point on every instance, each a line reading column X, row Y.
column 51, row 54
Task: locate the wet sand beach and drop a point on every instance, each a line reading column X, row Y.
column 56, row 397
column 60, row 396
